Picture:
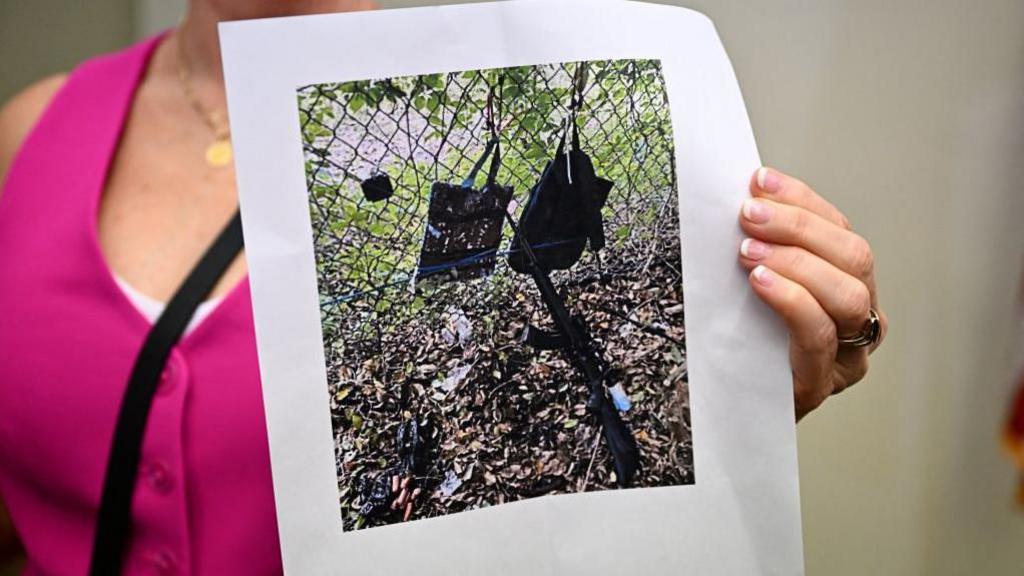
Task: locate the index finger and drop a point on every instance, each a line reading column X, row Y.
column 774, row 185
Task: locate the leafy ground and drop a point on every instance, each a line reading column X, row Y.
column 503, row 421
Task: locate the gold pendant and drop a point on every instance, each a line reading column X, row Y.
column 218, row 154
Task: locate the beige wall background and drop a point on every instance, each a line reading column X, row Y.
column 42, row 37
column 909, row 115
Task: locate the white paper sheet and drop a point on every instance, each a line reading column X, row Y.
column 741, row 513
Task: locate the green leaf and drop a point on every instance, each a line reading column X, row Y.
column 434, row 81
column 357, row 102
column 535, row 152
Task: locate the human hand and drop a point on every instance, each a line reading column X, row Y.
column 809, row 266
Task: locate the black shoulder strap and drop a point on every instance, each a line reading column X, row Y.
column 113, row 522
column 492, row 173
column 470, row 180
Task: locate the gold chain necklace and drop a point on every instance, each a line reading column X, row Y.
column 218, row 153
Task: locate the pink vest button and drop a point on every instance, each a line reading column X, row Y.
column 161, row 562
column 158, row 477
column 167, row 378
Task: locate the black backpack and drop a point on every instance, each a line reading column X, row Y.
column 563, row 213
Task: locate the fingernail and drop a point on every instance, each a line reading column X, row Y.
column 754, row 249
column 768, row 179
column 756, row 211
column 763, row 276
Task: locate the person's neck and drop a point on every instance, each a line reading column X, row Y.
column 197, row 33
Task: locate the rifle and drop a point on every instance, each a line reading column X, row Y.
column 572, row 337
column 583, row 355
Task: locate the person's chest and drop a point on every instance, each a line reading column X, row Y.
column 162, row 204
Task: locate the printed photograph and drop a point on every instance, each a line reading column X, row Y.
column 501, row 286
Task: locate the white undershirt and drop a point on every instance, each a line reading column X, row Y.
column 151, row 308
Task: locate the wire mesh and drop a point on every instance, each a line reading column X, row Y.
column 429, row 128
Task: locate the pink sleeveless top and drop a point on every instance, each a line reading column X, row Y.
column 68, row 338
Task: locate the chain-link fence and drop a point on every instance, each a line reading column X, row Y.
column 424, row 129
column 507, row 420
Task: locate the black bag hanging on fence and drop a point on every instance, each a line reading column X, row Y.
column 464, row 224
column 564, row 209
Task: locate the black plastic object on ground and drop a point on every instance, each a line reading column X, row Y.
column 411, row 443
column 414, row 444
column 375, row 495
column 564, row 211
